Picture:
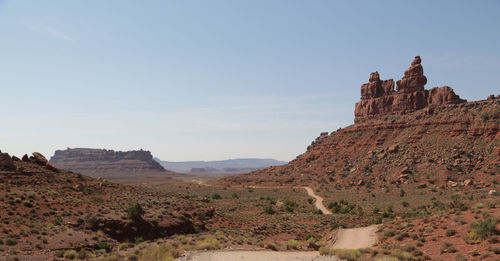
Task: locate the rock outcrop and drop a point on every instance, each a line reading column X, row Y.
column 6, row 162
column 378, row 97
column 100, row 161
column 405, row 136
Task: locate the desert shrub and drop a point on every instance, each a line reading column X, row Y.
column 448, row 247
column 405, row 204
column 93, row 221
column 457, row 203
column 138, row 240
column 460, row 257
column 59, row 253
column 82, row 254
column 387, row 234
column 113, row 257
column 27, row 204
column 269, row 245
column 347, row 254
column 450, row 232
column 402, row 255
column 70, row 254
column 235, row 196
column 325, row 251
column 103, row 245
column 135, row 212
column 483, row 228
column 292, row 244
column 216, row 196
column 402, row 236
column 269, row 210
column 10, row 241
column 164, row 252
column 208, row 243
column 494, row 249
column 408, row 248
column 290, row 205
column 133, row 258
column 386, row 258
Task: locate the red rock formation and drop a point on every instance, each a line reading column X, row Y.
column 414, row 78
column 378, row 96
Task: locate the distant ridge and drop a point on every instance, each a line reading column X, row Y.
column 220, row 166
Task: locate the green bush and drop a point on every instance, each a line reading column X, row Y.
column 216, row 196
column 209, row 243
column 164, row 252
column 135, row 212
column 103, row 245
column 70, row 254
column 269, row 210
column 269, row 245
column 292, row 244
column 484, row 228
column 347, row 254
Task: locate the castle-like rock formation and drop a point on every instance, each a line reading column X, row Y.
column 99, row 161
column 378, row 97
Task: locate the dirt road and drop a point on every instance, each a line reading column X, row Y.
column 319, row 201
column 255, row 255
column 355, row 238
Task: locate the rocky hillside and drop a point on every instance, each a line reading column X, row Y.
column 46, row 210
column 408, row 135
column 102, row 162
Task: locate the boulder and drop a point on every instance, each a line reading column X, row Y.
column 25, row 158
column 40, row 159
column 393, row 149
column 50, row 166
column 467, row 182
column 6, row 162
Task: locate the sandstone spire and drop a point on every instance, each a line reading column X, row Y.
column 378, row 96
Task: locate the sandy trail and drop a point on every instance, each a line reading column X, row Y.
column 258, row 255
column 355, row 238
column 319, row 201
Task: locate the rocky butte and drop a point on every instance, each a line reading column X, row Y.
column 401, row 135
column 101, row 161
column 379, row 97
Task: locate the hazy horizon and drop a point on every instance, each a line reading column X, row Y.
column 213, row 80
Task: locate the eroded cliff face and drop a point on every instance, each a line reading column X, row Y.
column 378, row 97
column 99, row 161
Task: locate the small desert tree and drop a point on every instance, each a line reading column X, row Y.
column 135, row 212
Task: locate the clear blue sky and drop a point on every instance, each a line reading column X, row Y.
column 205, row 80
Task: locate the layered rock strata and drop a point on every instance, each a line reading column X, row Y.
column 100, row 161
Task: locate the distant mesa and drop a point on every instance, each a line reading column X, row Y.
column 230, row 166
column 378, row 97
column 99, row 162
